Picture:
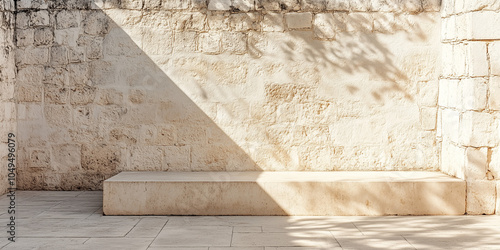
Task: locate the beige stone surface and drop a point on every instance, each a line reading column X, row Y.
column 227, row 85
column 283, row 193
column 481, row 197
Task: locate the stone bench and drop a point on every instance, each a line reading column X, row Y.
column 284, row 193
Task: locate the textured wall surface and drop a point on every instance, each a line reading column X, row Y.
column 469, row 99
column 7, row 77
column 224, row 85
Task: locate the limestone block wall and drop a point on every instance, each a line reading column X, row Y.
column 224, row 85
column 469, row 99
column 7, row 76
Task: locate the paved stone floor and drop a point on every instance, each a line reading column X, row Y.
column 74, row 220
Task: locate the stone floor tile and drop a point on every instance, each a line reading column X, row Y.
column 147, row 227
column 118, row 243
column 306, row 238
column 369, row 242
column 452, row 242
column 178, row 248
column 245, row 229
column 45, row 243
column 303, row 248
column 236, row 248
column 194, row 236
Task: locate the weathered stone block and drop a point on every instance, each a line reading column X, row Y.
column 29, row 93
column 298, row 21
column 210, row 43
column 218, row 21
column 494, row 53
column 476, row 163
column 76, row 54
column 120, row 135
column 481, row 197
column 131, row 4
column 157, row 41
column 313, row 5
column 55, row 76
column 39, row 159
column 478, row 129
column 96, row 23
column 145, row 158
column 244, row 22
column 102, row 158
column 39, row 18
column 494, row 164
column 474, row 93
column 477, row 61
column 94, row 49
column 189, row 21
column 68, row 37
column 494, row 88
column 22, row 20
column 324, row 26
column 199, row 4
column 449, row 93
column 453, row 160
column 318, row 158
column 109, row 97
column 82, row 94
column 360, row 5
column 25, row 37
column 175, row 4
column 210, row 157
column 459, row 60
column 58, row 55
column 273, row 22
column 43, row 36
column 185, row 41
column 219, row 4
column 136, row 96
column 476, row 25
column 56, row 94
column 482, row 5
column 58, row 115
column 273, row 5
column 428, row 93
column 288, row 93
column 450, row 125
column 188, row 135
column 428, row 116
column 243, row 5
column 67, row 19
column 177, row 158
column 31, row 75
column 234, row 42
column 83, row 116
column 152, row 4
column 32, row 55
column 157, row 19
column 66, row 157
column 338, row 5
column 166, row 135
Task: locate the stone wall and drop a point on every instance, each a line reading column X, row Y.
column 110, row 86
column 469, row 99
column 7, row 77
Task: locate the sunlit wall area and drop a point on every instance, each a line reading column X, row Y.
column 110, row 86
column 469, row 99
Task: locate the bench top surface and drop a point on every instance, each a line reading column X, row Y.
column 348, row 176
